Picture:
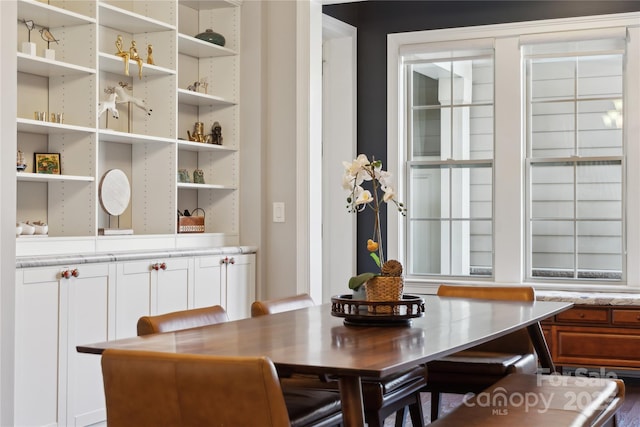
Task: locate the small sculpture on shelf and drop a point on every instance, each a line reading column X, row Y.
column 216, row 133
column 204, row 84
column 123, row 89
column 47, row 36
column 150, row 54
column 198, row 133
column 193, row 87
column 198, row 176
column 133, row 54
column 30, row 26
column 122, row 54
column 197, row 84
column 183, row 176
column 109, row 104
column 29, row 47
column 21, row 165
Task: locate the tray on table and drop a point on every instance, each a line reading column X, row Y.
column 377, row 313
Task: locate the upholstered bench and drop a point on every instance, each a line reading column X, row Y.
column 540, row 400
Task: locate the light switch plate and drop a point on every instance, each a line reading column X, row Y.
column 278, row 212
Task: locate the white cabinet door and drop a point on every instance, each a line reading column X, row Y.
column 207, row 278
column 133, row 296
column 149, row 287
column 225, row 280
column 36, row 347
column 240, row 285
column 87, row 321
column 56, row 385
column 171, row 290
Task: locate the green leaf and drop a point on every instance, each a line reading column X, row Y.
column 356, row 281
column 375, row 258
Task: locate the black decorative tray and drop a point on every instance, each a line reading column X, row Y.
column 377, row 313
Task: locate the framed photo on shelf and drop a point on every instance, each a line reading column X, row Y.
column 48, row 163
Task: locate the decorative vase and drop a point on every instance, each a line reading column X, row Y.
column 384, row 288
column 212, row 37
column 360, row 294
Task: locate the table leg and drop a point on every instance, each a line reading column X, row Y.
column 541, row 347
column 351, row 397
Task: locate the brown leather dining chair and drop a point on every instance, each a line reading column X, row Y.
column 381, row 397
column 475, row 369
column 157, row 389
column 298, row 397
column 183, row 319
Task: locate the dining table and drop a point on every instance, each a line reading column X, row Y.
column 314, row 340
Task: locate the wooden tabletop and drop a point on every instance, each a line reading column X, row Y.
column 314, row 340
column 311, row 340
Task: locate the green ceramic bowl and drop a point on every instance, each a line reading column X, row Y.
column 212, row 37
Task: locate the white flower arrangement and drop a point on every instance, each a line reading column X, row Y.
column 357, row 174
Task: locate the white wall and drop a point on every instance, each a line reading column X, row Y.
column 277, row 125
column 339, row 144
column 8, row 84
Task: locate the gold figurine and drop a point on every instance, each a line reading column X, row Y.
column 150, row 54
column 122, row 54
column 133, row 54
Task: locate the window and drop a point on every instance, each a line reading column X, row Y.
column 513, row 151
column 574, row 96
column 450, row 163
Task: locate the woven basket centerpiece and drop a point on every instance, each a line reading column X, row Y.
column 386, row 287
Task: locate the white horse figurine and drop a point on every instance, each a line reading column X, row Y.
column 109, row 105
column 124, row 96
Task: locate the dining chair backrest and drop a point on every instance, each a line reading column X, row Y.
column 501, row 293
column 183, row 319
column 164, row 389
column 515, row 342
column 279, row 305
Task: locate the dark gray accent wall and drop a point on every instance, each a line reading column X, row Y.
column 376, row 19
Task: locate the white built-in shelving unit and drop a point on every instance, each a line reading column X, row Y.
column 150, row 149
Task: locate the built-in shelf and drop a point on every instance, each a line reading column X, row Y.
column 190, row 97
column 127, row 21
column 45, row 177
column 200, row 146
column 200, row 49
column 49, row 128
column 149, row 149
column 114, row 64
column 192, row 186
column 47, row 68
column 49, row 16
column 209, row 4
column 107, row 135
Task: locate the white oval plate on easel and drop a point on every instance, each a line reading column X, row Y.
column 114, row 192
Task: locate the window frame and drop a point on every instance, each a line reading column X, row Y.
column 509, row 256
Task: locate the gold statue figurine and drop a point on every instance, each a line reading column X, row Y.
column 122, row 54
column 133, row 54
column 150, row 54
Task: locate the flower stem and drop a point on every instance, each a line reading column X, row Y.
column 376, row 227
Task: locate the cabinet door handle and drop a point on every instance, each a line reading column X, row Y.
column 232, row 260
column 158, row 266
column 581, row 315
column 65, row 274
